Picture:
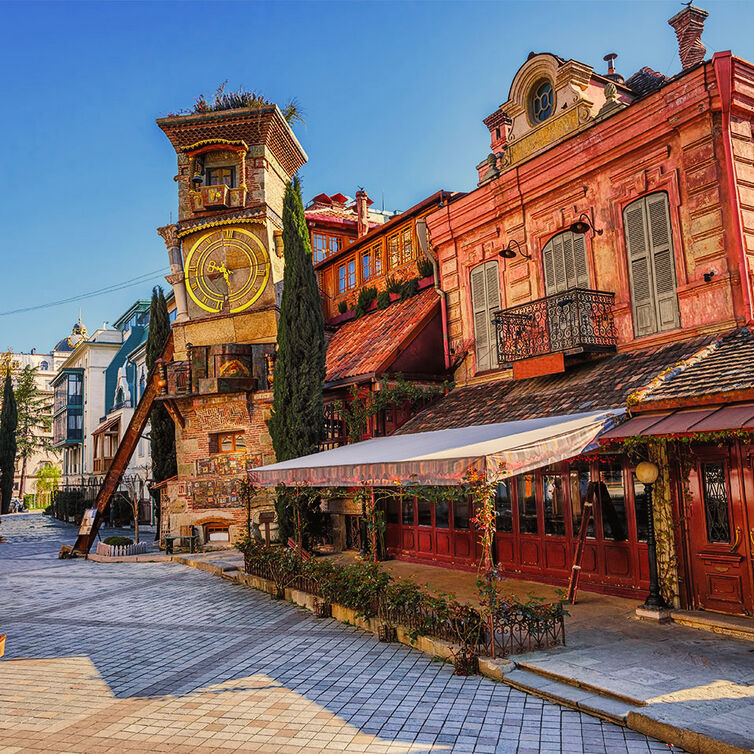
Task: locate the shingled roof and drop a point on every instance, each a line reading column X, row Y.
column 370, row 344
column 725, row 366
column 591, row 386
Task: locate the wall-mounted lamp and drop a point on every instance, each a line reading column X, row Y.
column 709, row 275
column 583, row 225
column 509, row 253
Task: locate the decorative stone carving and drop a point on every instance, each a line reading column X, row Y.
column 169, row 234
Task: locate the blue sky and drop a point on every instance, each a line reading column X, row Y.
column 393, row 93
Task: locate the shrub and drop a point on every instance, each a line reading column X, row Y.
column 424, row 267
column 366, row 296
column 383, row 300
column 118, row 541
column 409, row 288
column 342, row 307
column 392, row 284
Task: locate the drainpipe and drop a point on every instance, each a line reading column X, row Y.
column 422, row 233
column 723, row 67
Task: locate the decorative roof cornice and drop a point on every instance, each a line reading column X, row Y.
column 237, row 145
column 218, row 223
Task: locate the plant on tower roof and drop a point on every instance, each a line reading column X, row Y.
column 242, row 98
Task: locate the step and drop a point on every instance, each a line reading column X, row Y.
column 731, row 625
column 591, row 703
column 630, row 701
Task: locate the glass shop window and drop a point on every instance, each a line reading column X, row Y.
column 554, row 504
column 441, row 515
column 503, row 507
column 641, row 509
column 611, row 499
column 579, row 479
column 392, row 510
column 716, row 509
column 461, row 514
column 424, row 512
column 408, row 512
column 527, row 505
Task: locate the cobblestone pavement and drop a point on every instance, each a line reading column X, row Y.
column 152, row 657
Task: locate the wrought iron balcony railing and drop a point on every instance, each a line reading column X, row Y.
column 574, row 321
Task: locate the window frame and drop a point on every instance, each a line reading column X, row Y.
column 210, row 171
column 217, row 439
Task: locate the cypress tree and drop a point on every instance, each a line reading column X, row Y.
column 297, row 421
column 162, row 431
column 8, row 426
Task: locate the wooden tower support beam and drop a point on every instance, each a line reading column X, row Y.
column 124, row 452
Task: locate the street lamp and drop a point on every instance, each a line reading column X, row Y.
column 646, row 473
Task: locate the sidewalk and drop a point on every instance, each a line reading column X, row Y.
column 689, row 687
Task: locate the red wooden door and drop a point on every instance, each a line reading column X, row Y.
column 719, row 542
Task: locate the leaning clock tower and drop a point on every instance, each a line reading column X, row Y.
column 226, row 269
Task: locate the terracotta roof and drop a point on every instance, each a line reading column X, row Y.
column 725, row 366
column 591, row 386
column 369, row 345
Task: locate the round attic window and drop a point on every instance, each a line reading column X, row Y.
column 541, row 101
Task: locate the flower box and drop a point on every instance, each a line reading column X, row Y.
column 214, row 196
column 237, row 197
column 197, row 205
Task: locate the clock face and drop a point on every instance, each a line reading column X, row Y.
column 228, row 262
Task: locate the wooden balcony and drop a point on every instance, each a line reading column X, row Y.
column 102, row 465
column 572, row 322
column 229, row 368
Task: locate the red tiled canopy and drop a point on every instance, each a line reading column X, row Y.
column 370, row 344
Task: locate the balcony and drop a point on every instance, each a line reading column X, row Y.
column 229, row 368
column 102, row 465
column 571, row 322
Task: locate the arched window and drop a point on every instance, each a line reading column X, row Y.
column 485, row 299
column 649, row 241
column 119, row 397
column 541, row 101
column 564, row 263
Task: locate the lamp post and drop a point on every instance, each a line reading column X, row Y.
column 646, row 473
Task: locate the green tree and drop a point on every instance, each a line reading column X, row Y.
column 162, row 431
column 8, row 425
column 34, row 419
column 297, row 421
column 48, row 480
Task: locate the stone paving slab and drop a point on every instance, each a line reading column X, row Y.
column 155, row 657
column 679, row 676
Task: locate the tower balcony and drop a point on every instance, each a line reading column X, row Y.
column 571, row 322
column 217, row 197
column 228, row 368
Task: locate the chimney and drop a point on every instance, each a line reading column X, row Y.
column 688, row 25
column 362, row 213
column 611, row 74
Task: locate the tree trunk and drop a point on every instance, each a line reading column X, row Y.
column 136, row 521
column 23, row 479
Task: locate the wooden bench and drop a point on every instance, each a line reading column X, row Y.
column 186, row 533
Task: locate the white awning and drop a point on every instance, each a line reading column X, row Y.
column 442, row 457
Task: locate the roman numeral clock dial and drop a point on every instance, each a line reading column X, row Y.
column 227, row 263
